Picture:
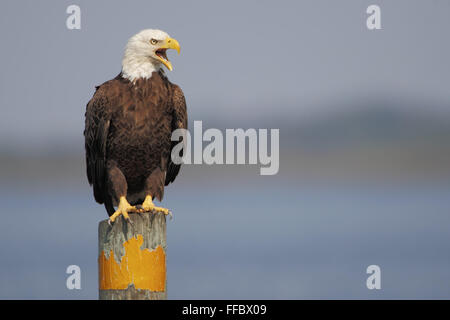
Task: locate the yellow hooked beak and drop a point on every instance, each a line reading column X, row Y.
column 169, row 43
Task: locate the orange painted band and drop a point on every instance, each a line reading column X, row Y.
column 144, row 268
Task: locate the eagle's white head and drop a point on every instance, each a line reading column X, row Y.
column 146, row 52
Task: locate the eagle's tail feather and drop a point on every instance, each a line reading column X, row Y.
column 109, row 205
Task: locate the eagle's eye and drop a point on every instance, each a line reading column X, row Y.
column 153, row 41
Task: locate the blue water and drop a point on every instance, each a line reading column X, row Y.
column 235, row 241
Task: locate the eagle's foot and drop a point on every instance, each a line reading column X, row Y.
column 148, row 206
column 123, row 209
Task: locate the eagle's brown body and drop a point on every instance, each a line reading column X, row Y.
column 127, row 138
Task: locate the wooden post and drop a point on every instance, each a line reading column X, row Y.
column 132, row 258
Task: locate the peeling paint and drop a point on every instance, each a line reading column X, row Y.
column 144, row 268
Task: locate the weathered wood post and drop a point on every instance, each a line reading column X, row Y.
column 132, row 258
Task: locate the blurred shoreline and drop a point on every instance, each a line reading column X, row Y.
column 354, row 144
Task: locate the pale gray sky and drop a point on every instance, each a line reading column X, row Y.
column 237, row 58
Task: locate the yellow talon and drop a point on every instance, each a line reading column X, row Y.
column 148, row 205
column 123, row 209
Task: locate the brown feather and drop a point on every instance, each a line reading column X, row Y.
column 127, row 132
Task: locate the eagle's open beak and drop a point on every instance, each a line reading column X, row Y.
column 169, row 43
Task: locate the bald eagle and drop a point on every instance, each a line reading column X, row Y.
column 128, row 127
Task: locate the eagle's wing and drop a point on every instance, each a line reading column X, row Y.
column 95, row 135
column 179, row 122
